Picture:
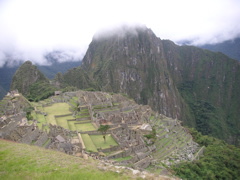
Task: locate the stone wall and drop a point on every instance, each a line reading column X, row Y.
column 142, row 164
column 64, row 115
column 30, row 137
column 7, row 129
column 114, row 148
column 41, row 139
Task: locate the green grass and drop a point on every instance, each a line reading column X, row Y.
column 41, row 120
column 45, row 144
column 23, row 162
column 88, row 143
column 62, row 121
column 123, row 158
column 108, row 110
column 85, row 127
column 56, row 109
column 73, row 101
column 99, row 141
column 83, row 116
column 71, row 125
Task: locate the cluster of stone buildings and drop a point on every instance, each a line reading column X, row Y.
column 129, row 124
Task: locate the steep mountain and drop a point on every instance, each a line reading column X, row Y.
column 3, row 92
column 194, row 85
column 25, row 76
column 6, row 73
column 231, row 48
column 29, row 81
column 132, row 62
column 209, row 83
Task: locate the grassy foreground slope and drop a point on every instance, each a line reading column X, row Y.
column 21, row 161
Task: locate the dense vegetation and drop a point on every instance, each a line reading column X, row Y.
column 40, row 90
column 208, row 83
column 230, row 48
column 206, row 116
column 7, row 72
column 220, row 160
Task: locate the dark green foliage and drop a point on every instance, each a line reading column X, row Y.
column 103, row 129
column 26, row 75
column 152, row 135
column 77, row 77
column 28, row 109
column 40, row 90
column 208, row 119
column 230, row 48
column 90, row 89
column 69, row 89
column 220, row 160
column 29, row 116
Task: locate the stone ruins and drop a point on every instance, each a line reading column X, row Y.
column 143, row 137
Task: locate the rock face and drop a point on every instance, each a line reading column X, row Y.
column 133, row 62
column 26, row 75
column 194, row 85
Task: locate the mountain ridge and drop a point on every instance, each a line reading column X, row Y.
column 183, row 82
column 7, row 73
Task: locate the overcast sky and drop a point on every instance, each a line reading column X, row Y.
column 31, row 28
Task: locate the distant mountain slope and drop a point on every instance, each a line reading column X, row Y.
column 198, row 86
column 26, row 75
column 6, row 73
column 231, row 48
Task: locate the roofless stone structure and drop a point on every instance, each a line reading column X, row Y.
column 143, row 137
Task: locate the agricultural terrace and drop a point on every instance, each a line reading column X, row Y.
column 56, row 109
column 94, row 142
column 67, row 121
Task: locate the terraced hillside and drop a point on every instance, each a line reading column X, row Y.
column 138, row 136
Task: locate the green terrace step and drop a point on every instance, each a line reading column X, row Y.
column 163, row 151
column 167, row 153
column 114, row 153
column 161, row 143
column 106, row 110
column 101, row 106
column 88, row 143
column 71, row 125
column 85, row 127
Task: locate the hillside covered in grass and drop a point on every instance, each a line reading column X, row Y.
column 21, row 161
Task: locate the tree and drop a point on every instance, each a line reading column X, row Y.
column 103, row 129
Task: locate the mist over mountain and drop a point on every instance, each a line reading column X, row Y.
column 198, row 86
column 231, row 48
column 58, row 61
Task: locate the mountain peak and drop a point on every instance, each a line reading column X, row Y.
column 26, row 75
column 120, row 31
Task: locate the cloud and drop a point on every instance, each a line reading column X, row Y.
column 31, row 29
